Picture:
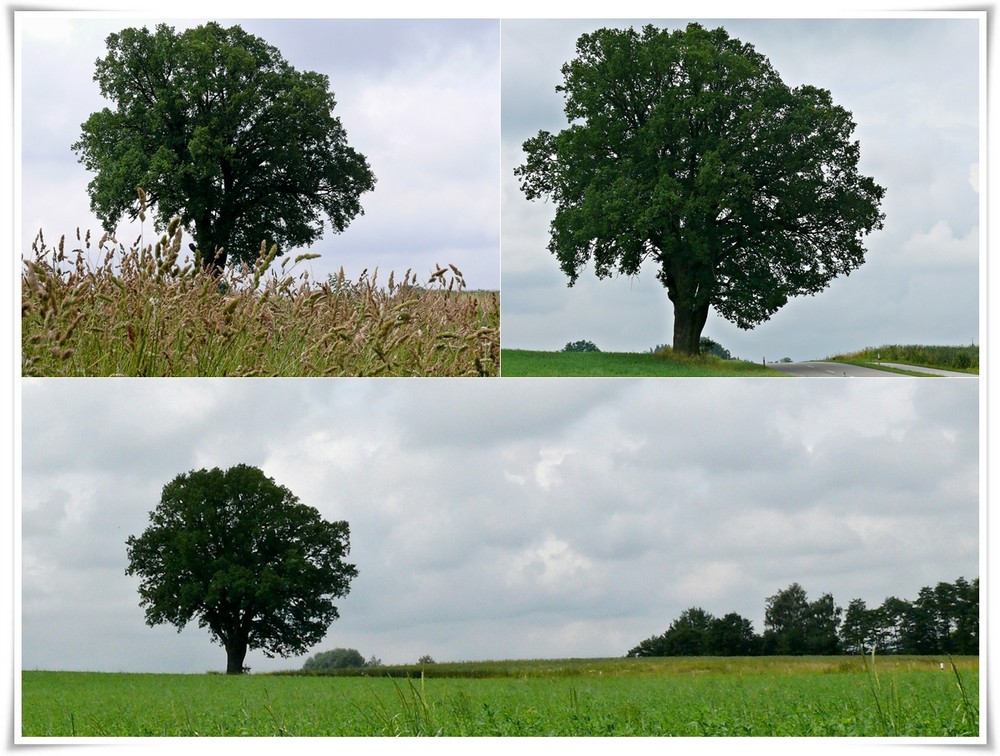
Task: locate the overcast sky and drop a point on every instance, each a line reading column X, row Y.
column 419, row 98
column 912, row 85
column 509, row 518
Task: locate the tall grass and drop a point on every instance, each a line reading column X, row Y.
column 104, row 309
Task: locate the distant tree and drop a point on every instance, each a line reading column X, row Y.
column 426, row 659
column 895, row 623
column 338, row 658
column 652, row 646
column 688, row 634
column 822, row 622
column 928, row 628
column 732, row 635
column 581, row 346
column 220, row 130
column 241, row 554
column 965, row 617
column 373, row 661
column 859, row 630
column 714, row 348
column 686, row 149
column 785, row 621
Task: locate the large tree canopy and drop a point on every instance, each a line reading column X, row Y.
column 241, row 554
column 218, row 129
column 685, row 148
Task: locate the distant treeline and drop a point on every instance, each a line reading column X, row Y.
column 941, row 620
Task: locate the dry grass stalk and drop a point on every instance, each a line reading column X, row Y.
column 146, row 311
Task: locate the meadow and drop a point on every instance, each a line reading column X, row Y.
column 663, row 363
column 908, row 697
column 108, row 310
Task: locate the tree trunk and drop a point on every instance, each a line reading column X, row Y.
column 236, row 652
column 688, row 324
column 213, row 257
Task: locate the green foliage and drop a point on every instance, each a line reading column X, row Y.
column 149, row 311
column 581, row 346
column 241, row 554
column 337, row 658
column 714, row 348
column 698, row 633
column 219, row 129
column 687, row 150
column 942, row 620
column 804, row 696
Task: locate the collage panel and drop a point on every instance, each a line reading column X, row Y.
column 742, row 197
column 259, row 197
column 573, row 558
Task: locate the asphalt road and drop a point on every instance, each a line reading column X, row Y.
column 820, row 369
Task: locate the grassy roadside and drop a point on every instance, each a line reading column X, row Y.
column 959, row 359
column 525, row 363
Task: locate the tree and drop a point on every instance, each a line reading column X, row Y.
column 822, row 621
column 860, row 629
column 581, row 346
column 338, row 658
column 241, row 554
column 785, row 621
column 686, row 149
column 688, row 634
column 652, row 646
column 714, row 348
column 732, row 635
column 219, row 130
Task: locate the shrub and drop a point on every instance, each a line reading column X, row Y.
column 714, row 348
column 338, row 658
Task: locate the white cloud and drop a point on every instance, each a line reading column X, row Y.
column 551, row 564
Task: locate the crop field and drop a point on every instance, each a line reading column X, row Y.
column 105, row 310
column 524, row 363
column 906, row 697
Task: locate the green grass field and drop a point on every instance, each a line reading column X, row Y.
column 524, row 363
column 772, row 696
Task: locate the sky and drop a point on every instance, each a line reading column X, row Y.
column 419, row 98
column 913, row 87
column 504, row 519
